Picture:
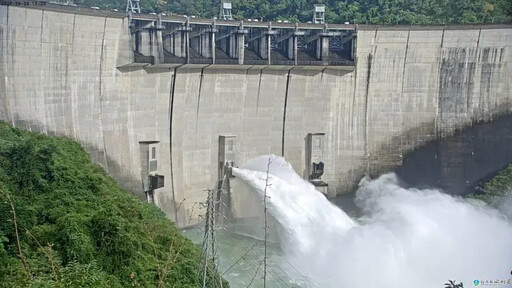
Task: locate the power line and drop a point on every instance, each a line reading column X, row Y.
column 253, row 277
column 209, row 264
column 209, row 259
column 240, row 259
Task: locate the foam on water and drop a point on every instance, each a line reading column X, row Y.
column 405, row 238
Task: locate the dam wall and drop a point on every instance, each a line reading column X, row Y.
column 72, row 74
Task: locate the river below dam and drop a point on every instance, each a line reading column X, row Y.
column 383, row 236
column 241, row 255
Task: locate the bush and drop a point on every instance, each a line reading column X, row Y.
column 498, row 188
column 77, row 227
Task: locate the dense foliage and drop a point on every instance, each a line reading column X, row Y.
column 388, row 12
column 76, row 227
column 497, row 189
column 501, row 183
column 362, row 11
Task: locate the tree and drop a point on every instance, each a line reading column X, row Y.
column 389, row 12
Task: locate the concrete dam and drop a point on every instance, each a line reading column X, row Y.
column 153, row 94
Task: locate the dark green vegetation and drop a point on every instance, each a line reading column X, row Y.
column 501, row 183
column 76, row 227
column 497, row 188
column 389, row 12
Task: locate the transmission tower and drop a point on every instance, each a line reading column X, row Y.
column 225, row 10
column 319, row 16
column 133, row 6
column 209, row 260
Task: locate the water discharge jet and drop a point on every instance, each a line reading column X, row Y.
column 405, row 237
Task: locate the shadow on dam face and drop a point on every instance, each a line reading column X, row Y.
column 459, row 163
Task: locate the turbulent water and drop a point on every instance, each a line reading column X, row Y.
column 405, row 238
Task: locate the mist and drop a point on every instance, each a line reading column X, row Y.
column 404, row 238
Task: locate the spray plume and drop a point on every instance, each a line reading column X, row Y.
column 404, row 238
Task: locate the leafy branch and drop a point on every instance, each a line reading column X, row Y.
column 15, row 223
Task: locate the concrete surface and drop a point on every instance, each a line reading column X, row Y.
column 59, row 75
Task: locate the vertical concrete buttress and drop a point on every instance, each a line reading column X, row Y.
column 241, row 47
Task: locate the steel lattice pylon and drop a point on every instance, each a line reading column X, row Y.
column 209, row 262
column 133, row 6
column 225, row 10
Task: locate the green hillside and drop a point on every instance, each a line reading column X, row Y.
column 496, row 189
column 389, row 12
column 76, row 227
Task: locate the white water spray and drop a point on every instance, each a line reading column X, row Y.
column 406, row 237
